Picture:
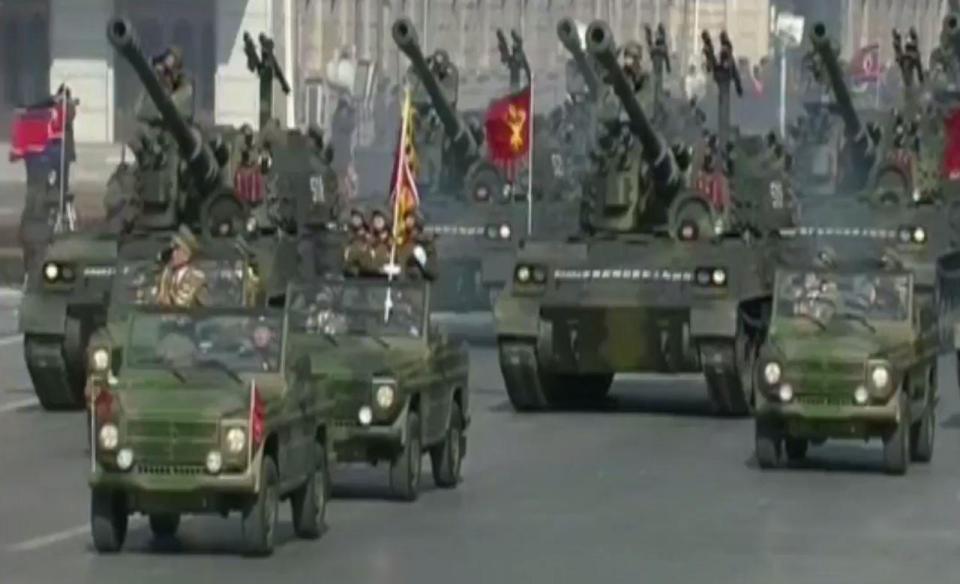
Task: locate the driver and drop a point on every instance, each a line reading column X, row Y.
column 181, row 284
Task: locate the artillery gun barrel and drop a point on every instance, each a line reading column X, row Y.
column 821, row 44
column 600, row 43
column 570, row 38
column 200, row 160
column 405, row 35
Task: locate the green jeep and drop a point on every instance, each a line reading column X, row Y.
column 398, row 382
column 204, row 411
column 850, row 354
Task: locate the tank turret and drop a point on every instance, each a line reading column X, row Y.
column 570, row 38
column 859, row 147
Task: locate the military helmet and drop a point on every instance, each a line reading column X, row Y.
column 185, row 239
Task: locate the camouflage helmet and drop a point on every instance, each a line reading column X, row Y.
column 185, row 239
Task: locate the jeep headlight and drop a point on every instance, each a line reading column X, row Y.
column 51, row 271
column 505, row 231
column 719, row 277
column 880, row 377
column 109, row 436
column 236, row 440
column 523, row 274
column 919, row 235
column 385, row 396
column 772, row 373
column 100, row 359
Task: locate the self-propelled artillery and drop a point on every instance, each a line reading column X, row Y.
column 655, row 281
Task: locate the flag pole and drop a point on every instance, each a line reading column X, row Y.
column 530, row 164
column 63, row 155
column 401, row 161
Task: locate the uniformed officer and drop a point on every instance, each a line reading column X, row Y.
column 356, row 254
column 182, row 285
column 417, row 254
column 382, row 244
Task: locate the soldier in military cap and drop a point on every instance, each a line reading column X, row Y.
column 182, row 285
column 381, row 246
column 417, row 254
column 632, row 62
column 356, row 254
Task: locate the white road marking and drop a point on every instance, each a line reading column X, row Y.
column 11, row 340
column 48, row 540
column 18, row 405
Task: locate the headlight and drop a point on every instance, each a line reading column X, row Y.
column 539, row 275
column 880, row 376
column 125, row 458
column 523, row 274
column 490, row 231
column 919, row 235
column 905, row 235
column 385, row 395
column 365, row 415
column 860, row 395
column 100, row 360
column 719, row 277
column 236, row 440
column 109, row 436
column 786, row 393
column 688, row 231
column 51, row 271
column 505, row 231
column 251, row 225
column 214, row 461
column 772, row 372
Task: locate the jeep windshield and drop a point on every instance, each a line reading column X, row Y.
column 180, row 341
column 136, row 281
column 358, row 307
column 826, row 297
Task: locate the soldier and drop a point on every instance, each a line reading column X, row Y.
column 633, row 65
column 181, row 285
column 356, row 255
column 417, row 254
column 382, row 243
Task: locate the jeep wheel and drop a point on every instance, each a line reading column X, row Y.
column 164, row 525
column 796, row 448
column 108, row 520
column 922, row 434
column 447, row 457
column 896, row 444
column 405, row 468
column 768, row 445
column 309, row 502
column 260, row 519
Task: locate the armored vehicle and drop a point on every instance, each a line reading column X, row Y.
column 463, row 193
column 398, row 382
column 663, row 277
column 851, row 353
column 181, row 176
column 205, row 411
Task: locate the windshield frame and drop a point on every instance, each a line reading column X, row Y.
column 296, row 289
column 204, row 313
column 782, row 273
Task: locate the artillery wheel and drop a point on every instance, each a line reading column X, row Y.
column 527, row 387
column 483, row 183
column 896, row 444
column 768, row 444
column 108, row 520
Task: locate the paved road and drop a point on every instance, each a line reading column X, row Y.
column 653, row 490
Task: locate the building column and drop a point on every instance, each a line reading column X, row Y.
column 485, row 32
column 81, row 57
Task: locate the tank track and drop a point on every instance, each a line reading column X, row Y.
column 58, row 386
column 531, row 389
column 724, row 384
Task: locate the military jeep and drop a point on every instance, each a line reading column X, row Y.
column 851, row 353
column 204, row 411
column 398, row 382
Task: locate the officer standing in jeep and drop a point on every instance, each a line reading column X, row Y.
column 182, row 285
column 417, row 253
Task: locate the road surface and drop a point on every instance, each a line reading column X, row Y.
column 651, row 490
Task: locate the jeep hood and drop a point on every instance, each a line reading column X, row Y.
column 361, row 358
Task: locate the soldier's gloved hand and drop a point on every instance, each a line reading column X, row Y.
column 421, row 255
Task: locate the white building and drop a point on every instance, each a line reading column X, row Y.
column 44, row 43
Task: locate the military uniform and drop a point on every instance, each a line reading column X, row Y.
column 182, row 286
column 417, row 254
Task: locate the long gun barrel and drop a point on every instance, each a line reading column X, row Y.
column 200, row 160
column 601, row 45
column 567, row 32
column 823, row 48
column 405, row 35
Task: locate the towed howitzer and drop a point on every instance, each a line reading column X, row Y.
column 567, row 33
column 859, row 155
column 266, row 67
column 514, row 58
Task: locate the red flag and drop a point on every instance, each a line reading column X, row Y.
column 508, row 128
column 248, row 184
column 865, row 65
column 951, row 147
column 33, row 131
